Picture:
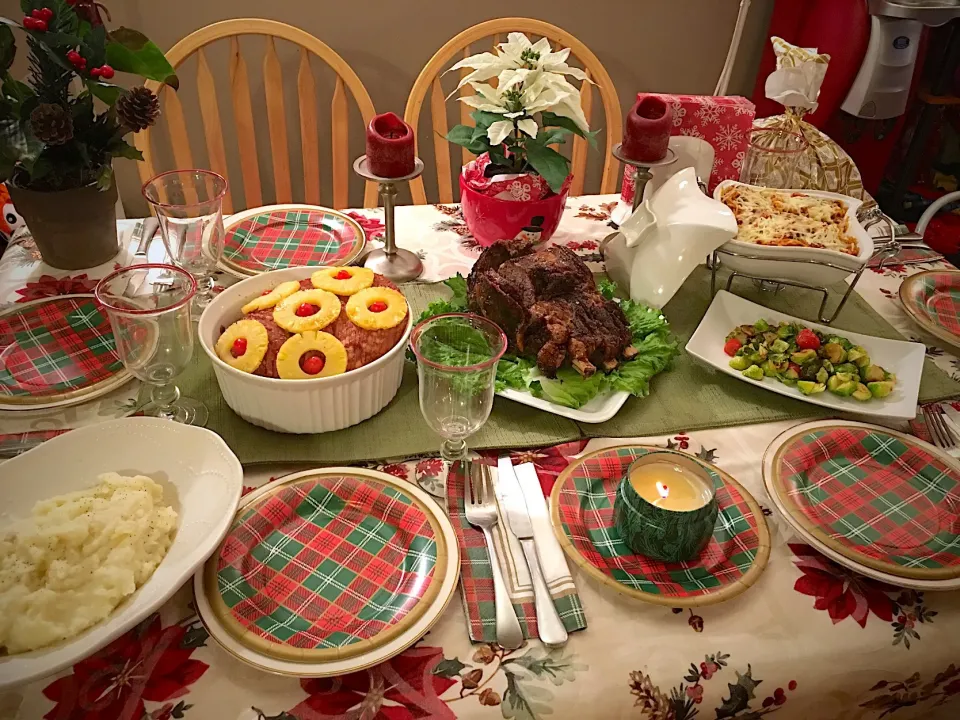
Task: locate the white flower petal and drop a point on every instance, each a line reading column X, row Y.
column 570, row 107
column 498, row 131
column 518, row 40
column 481, row 60
column 512, row 115
column 529, row 126
column 541, row 47
column 480, row 103
column 508, row 78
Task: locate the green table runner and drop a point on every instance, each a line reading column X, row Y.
column 688, row 397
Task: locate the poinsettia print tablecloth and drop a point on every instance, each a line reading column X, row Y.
column 809, row 641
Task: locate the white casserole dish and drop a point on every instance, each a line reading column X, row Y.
column 804, row 272
column 297, row 406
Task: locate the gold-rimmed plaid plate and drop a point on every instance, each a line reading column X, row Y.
column 329, row 571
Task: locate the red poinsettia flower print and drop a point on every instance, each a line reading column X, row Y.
column 50, row 286
column 430, row 467
column 149, row 663
column 403, row 688
column 372, row 226
column 549, row 462
column 841, row 592
column 397, row 470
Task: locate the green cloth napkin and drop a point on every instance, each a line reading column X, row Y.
column 687, row 397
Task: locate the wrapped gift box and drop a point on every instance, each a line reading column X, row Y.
column 724, row 122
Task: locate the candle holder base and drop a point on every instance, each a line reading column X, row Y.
column 401, row 266
column 362, row 168
column 643, row 170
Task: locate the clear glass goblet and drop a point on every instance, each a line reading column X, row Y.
column 189, row 207
column 457, row 357
column 149, row 310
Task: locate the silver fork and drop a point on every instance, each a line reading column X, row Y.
column 481, row 510
column 939, row 432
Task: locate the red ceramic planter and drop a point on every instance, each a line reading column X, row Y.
column 491, row 219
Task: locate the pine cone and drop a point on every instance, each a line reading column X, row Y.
column 138, row 108
column 51, row 124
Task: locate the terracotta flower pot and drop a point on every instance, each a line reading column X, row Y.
column 491, row 219
column 73, row 229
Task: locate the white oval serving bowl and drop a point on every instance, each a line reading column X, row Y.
column 804, row 272
column 297, row 406
column 202, row 480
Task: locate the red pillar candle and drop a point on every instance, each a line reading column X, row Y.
column 390, row 146
column 646, row 132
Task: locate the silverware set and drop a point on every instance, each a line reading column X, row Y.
column 480, row 502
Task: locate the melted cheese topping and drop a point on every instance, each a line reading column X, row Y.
column 775, row 217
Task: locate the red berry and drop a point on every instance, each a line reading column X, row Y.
column 792, row 685
column 239, row 347
column 46, row 14
column 807, row 340
column 313, row 365
column 731, row 346
column 343, row 275
column 767, row 702
column 378, row 306
column 36, row 14
column 40, row 25
column 306, row 310
column 95, row 72
column 106, row 72
column 74, row 57
column 29, row 22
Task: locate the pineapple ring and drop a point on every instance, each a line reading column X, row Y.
column 285, row 314
column 358, row 308
column 281, row 291
column 325, row 279
column 256, row 336
column 288, row 357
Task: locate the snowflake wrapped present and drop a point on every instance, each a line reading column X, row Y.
column 724, row 122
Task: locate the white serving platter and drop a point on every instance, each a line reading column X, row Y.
column 202, row 481
column 603, row 407
column 904, row 359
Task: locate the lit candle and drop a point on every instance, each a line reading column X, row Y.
column 646, row 132
column 390, row 146
column 669, row 486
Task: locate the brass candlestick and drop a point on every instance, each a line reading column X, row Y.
column 392, row 262
column 643, row 170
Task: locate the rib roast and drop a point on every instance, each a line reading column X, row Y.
column 546, row 301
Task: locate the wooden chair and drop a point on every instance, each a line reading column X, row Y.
column 428, row 82
column 172, row 109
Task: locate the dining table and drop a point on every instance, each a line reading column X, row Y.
column 809, row 640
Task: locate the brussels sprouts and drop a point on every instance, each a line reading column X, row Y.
column 802, row 357
column 822, row 375
column 785, row 331
column 842, row 385
column 872, row 373
column 779, row 346
column 754, row 372
column 834, row 352
column 862, row 393
column 740, row 362
column 847, row 367
column 841, row 341
column 761, row 325
column 810, row 388
column 880, row 389
column 858, row 356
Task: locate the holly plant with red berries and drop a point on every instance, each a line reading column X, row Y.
column 62, row 128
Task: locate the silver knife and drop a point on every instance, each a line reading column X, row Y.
column 549, row 624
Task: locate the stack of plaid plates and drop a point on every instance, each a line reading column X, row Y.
column 327, row 572
column 882, row 503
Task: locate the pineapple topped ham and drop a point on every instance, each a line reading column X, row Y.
column 339, row 320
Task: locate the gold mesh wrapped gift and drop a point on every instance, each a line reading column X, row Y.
column 795, row 84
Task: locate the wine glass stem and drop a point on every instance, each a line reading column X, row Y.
column 164, row 397
column 453, row 450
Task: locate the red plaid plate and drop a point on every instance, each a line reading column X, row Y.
column 874, row 495
column 328, row 566
column 582, row 513
column 57, row 351
column 281, row 236
column 932, row 299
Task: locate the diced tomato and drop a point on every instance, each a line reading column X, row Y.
column 732, row 346
column 808, row 340
column 796, row 368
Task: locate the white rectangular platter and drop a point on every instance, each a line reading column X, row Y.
column 905, row 359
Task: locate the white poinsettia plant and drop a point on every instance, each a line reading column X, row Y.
column 532, row 107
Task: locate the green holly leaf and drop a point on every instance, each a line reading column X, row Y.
column 449, row 668
column 8, row 48
column 195, row 637
column 740, row 695
column 549, row 164
column 707, row 455
column 105, row 92
column 523, row 700
column 130, row 51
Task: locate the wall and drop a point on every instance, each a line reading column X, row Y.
column 656, row 45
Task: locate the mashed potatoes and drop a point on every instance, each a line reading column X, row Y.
column 77, row 556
